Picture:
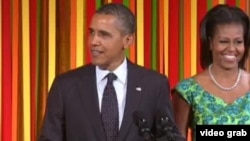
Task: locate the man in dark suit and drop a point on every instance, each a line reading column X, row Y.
column 74, row 107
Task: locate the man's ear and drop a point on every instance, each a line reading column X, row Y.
column 129, row 40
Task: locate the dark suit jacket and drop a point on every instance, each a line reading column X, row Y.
column 72, row 112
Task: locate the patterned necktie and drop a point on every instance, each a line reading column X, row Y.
column 109, row 111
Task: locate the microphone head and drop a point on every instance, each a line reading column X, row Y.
column 165, row 127
column 161, row 117
column 143, row 125
column 138, row 117
column 163, row 124
column 141, row 120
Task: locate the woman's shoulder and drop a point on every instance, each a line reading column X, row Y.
column 193, row 80
column 245, row 76
column 186, row 82
column 188, row 88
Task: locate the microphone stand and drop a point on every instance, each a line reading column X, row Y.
column 166, row 130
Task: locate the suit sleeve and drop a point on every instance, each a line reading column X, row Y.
column 164, row 99
column 165, row 106
column 53, row 122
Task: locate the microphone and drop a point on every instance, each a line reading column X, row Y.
column 165, row 129
column 143, row 126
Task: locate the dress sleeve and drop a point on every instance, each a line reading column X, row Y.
column 185, row 89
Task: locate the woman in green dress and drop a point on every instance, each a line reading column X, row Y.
column 220, row 94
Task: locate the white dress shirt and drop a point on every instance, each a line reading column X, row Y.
column 120, row 85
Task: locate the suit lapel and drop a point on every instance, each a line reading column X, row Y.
column 89, row 97
column 132, row 99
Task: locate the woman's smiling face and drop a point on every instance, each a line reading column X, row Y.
column 227, row 45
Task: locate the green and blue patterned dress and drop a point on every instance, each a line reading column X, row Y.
column 209, row 109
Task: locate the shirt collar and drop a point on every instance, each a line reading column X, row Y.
column 120, row 72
